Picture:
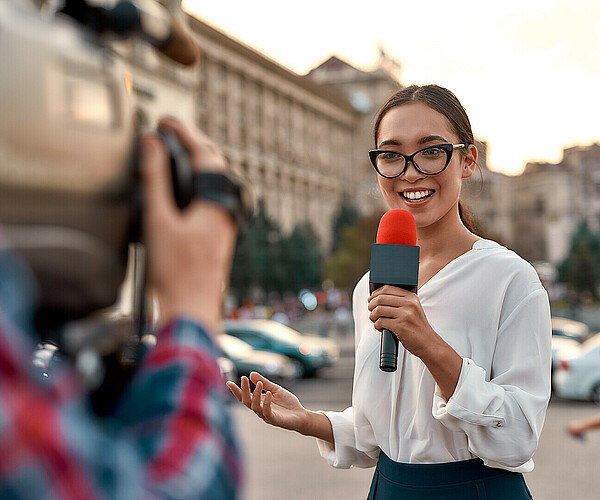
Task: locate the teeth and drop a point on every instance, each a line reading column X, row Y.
column 416, row 195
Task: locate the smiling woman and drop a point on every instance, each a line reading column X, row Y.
column 434, row 123
column 462, row 414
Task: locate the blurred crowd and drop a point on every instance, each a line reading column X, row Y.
column 328, row 309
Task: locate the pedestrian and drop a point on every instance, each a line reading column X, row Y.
column 579, row 428
column 462, row 415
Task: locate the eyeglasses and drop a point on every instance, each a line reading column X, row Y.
column 431, row 160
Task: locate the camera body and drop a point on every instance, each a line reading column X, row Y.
column 67, row 169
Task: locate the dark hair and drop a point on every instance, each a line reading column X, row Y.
column 445, row 102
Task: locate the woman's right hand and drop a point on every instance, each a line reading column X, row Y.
column 276, row 406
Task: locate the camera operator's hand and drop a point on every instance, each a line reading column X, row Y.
column 189, row 251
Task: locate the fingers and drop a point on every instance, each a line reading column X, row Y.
column 203, row 151
column 381, row 312
column 246, row 394
column 252, row 400
column 390, row 290
column 385, row 324
column 179, row 129
column 397, row 298
column 260, row 401
column 255, row 404
column 386, row 306
column 235, row 390
column 266, row 410
column 267, row 384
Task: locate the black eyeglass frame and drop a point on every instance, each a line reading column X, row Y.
column 448, row 149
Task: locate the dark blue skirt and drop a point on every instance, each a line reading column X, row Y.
column 465, row 480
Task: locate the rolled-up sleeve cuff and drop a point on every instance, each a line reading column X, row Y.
column 344, row 454
column 468, row 403
column 524, row 468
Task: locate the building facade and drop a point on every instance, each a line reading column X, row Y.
column 537, row 212
column 488, row 196
column 301, row 140
column 291, row 137
column 366, row 91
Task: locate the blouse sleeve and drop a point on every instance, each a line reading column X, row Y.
column 502, row 412
column 345, row 453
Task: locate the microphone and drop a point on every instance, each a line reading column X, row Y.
column 394, row 261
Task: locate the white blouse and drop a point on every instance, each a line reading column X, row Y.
column 489, row 305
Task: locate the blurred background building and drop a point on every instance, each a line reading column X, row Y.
column 291, row 137
column 536, row 213
column 366, row 91
column 302, row 141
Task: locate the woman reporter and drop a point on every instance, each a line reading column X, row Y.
column 462, row 415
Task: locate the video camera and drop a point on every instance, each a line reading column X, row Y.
column 70, row 202
column 68, row 188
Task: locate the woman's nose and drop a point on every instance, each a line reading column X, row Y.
column 411, row 172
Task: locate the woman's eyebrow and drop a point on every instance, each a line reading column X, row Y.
column 390, row 142
column 432, row 138
column 422, row 140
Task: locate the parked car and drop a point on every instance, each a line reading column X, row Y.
column 561, row 347
column 570, row 329
column 227, row 368
column 246, row 359
column 308, row 353
column 567, row 334
column 577, row 374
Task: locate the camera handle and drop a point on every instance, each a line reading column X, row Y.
column 181, row 175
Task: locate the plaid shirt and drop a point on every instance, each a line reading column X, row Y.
column 170, row 435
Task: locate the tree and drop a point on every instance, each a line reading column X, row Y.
column 257, row 261
column 581, row 269
column 353, row 257
column 347, row 216
column 303, row 260
column 266, row 259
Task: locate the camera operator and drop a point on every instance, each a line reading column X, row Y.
column 170, row 434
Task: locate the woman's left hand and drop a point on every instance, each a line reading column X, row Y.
column 400, row 312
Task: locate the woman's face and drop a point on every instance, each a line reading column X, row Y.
column 430, row 198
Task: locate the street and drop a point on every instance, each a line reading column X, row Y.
column 285, row 465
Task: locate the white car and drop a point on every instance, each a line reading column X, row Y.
column 577, row 373
column 562, row 347
column 569, row 329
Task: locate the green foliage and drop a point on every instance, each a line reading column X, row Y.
column 352, row 258
column 581, row 269
column 273, row 262
column 347, row 216
column 303, row 259
column 267, row 259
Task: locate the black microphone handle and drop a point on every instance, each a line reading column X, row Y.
column 388, row 354
column 396, row 265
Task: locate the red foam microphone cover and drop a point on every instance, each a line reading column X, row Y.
column 397, row 227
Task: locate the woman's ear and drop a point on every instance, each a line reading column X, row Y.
column 470, row 161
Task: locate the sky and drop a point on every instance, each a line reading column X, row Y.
column 526, row 71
